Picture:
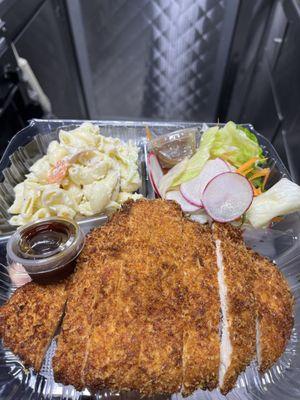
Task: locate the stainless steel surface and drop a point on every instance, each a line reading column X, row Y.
column 45, row 41
column 167, row 59
column 17, row 14
column 81, row 49
column 266, row 89
column 154, row 58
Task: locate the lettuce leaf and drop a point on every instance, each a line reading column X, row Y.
column 197, row 161
column 173, row 174
column 248, row 133
column 233, row 143
column 283, row 198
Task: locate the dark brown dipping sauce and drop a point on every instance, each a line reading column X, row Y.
column 43, row 241
column 47, row 248
column 55, row 275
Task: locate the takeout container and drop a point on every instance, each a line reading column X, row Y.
column 31, row 143
column 280, row 243
column 47, row 248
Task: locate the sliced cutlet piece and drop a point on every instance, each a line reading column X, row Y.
column 236, row 283
column 73, row 338
column 201, row 342
column 97, row 368
column 137, row 345
column 151, row 220
column 116, row 335
column 91, row 282
column 274, row 312
column 30, row 318
column 128, row 325
column 160, row 358
column 110, row 339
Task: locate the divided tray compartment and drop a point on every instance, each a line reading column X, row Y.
column 281, row 243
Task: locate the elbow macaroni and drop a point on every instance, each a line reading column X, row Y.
column 101, row 174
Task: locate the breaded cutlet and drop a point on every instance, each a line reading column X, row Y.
column 274, row 312
column 119, row 369
column 201, row 345
column 72, row 340
column 236, row 281
column 91, row 282
column 143, row 309
column 29, row 319
column 102, row 334
column 137, row 343
column 160, row 357
column 135, row 337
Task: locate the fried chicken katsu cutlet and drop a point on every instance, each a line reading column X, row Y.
column 274, row 312
column 135, row 339
column 201, row 344
column 236, row 282
column 91, row 284
column 28, row 321
column 160, row 304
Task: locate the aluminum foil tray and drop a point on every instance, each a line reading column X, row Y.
column 281, row 243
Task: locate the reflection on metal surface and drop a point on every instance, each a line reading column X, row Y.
column 155, row 58
column 268, row 73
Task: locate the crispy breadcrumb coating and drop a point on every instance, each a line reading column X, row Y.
column 137, row 342
column 89, row 284
column 201, row 346
column 239, row 278
column 30, row 318
column 143, row 307
column 275, row 311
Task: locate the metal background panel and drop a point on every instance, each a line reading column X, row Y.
column 246, row 47
column 266, row 90
column 17, row 14
column 155, row 58
column 47, row 45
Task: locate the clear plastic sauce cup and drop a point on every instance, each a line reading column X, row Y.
column 47, row 248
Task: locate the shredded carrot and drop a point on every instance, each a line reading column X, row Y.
column 148, row 133
column 58, row 171
column 244, row 173
column 246, row 165
column 265, row 179
column 263, row 172
column 276, row 219
column 256, row 191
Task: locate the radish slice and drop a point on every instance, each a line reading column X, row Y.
column 153, row 184
column 185, row 205
column 192, row 190
column 227, row 196
column 155, row 172
column 191, row 199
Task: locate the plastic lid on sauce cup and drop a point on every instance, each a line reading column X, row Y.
column 47, row 248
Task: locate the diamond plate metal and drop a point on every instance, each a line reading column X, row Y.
column 157, row 58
